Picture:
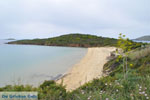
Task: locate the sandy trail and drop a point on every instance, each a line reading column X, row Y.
column 90, row 67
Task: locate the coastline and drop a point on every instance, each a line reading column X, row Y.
column 39, row 66
column 89, row 67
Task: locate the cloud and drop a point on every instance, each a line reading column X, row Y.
column 46, row 18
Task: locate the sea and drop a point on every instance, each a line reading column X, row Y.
column 141, row 41
column 32, row 64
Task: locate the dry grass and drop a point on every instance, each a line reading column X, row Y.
column 140, row 53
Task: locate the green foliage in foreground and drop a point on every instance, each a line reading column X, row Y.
column 113, row 87
column 136, row 86
column 49, row 90
column 71, row 40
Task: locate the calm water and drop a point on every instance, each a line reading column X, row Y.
column 141, row 41
column 28, row 64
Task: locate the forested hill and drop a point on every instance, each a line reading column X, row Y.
column 71, row 40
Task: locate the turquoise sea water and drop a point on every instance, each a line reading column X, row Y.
column 28, row 64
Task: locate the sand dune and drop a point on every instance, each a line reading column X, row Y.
column 90, row 67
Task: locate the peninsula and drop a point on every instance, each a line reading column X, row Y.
column 71, row 40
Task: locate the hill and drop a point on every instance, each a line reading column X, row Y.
column 143, row 38
column 71, row 40
column 10, row 39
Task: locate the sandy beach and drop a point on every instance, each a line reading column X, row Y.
column 90, row 67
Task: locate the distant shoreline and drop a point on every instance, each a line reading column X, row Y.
column 10, row 39
column 47, row 45
column 71, row 40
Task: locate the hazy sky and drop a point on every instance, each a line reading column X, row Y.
column 47, row 18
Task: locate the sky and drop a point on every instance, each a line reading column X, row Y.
column 22, row 19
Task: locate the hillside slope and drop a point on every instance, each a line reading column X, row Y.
column 144, row 38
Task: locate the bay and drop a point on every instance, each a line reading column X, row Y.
column 31, row 64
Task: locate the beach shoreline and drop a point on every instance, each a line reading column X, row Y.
column 89, row 68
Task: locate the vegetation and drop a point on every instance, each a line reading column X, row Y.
column 125, row 45
column 71, row 40
column 136, row 85
column 49, row 90
column 75, row 40
column 115, row 87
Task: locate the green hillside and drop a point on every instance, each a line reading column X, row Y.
column 71, row 40
column 144, row 38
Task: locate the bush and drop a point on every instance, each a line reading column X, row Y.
column 49, row 90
